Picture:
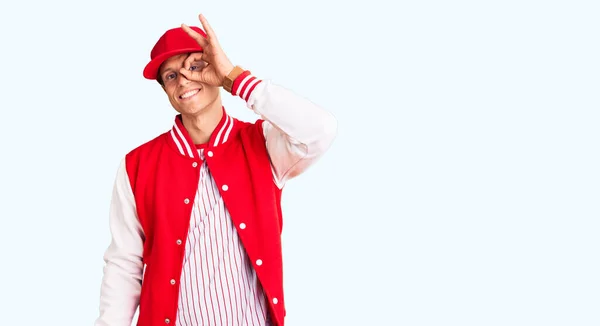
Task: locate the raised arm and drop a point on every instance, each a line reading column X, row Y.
column 297, row 131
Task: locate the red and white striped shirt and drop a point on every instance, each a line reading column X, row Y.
column 218, row 284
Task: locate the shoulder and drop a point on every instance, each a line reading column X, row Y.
column 249, row 126
column 246, row 129
column 148, row 146
column 145, row 151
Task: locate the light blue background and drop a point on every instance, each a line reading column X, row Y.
column 462, row 188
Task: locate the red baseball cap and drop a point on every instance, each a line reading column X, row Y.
column 172, row 42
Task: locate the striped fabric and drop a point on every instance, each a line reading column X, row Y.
column 244, row 85
column 218, row 284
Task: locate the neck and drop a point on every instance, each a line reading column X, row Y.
column 201, row 125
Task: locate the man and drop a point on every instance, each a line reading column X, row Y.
column 195, row 216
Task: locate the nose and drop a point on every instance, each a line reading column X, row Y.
column 181, row 79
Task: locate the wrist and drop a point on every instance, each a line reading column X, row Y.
column 231, row 76
column 244, row 85
column 227, row 70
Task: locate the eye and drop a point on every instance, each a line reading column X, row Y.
column 170, row 76
column 197, row 66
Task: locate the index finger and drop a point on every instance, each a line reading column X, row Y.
column 195, row 35
column 196, row 56
column 210, row 33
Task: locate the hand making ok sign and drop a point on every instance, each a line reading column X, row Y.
column 217, row 64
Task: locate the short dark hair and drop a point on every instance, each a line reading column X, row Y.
column 158, row 76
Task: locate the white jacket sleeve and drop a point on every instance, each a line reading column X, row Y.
column 297, row 131
column 121, row 282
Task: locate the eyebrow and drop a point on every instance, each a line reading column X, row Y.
column 167, row 70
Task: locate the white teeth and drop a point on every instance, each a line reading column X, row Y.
column 189, row 94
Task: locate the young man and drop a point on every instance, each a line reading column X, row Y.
column 195, row 216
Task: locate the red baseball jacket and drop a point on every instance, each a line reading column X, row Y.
column 156, row 184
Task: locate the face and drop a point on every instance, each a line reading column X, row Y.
column 187, row 97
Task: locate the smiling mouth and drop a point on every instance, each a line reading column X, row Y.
column 189, row 94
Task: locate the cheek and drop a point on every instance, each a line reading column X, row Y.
column 172, row 98
column 212, row 91
column 171, row 94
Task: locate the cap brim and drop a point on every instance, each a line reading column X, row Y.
column 151, row 69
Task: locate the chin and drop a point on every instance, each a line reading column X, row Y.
column 194, row 108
